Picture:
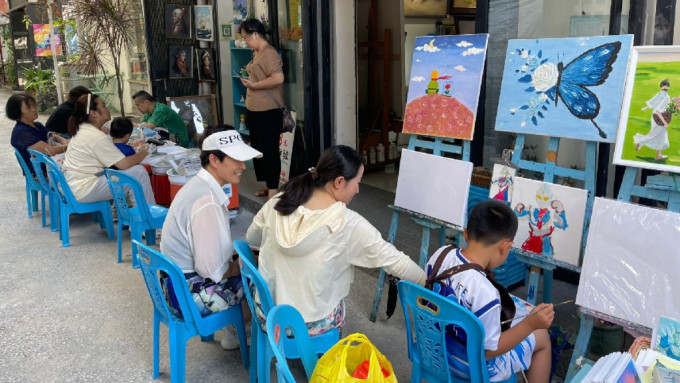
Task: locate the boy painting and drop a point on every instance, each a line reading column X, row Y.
column 121, row 129
column 492, row 225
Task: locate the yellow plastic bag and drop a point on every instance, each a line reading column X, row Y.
column 340, row 362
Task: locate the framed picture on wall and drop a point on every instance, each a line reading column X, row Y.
column 204, row 22
column 205, row 59
column 177, row 21
column 180, row 59
column 430, row 8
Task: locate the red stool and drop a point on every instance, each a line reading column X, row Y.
column 161, row 188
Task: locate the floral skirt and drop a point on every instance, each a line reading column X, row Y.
column 210, row 297
column 336, row 319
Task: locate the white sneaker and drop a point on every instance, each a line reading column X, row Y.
column 230, row 338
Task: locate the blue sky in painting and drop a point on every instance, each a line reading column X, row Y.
column 557, row 120
column 461, row 57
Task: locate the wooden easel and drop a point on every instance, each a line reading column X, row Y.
column 438, row 147
column 550, row 170
column 659, row 188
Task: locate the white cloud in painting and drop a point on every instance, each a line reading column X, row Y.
column 430, row 47
column 464, row 44
column 418, row 78
column 473, row 51
column 460, row 68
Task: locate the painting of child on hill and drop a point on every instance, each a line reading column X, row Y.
column 444, row 85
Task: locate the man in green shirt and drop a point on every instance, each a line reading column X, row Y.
column 161, row 115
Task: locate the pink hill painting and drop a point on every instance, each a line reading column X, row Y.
column 444, row 86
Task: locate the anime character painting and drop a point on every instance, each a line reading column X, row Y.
column 444, row 86
column 567, row 87
column 502, row 180
column 550, row 218
column 649, row 134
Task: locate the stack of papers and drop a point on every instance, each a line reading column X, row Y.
column 616, row 367
column 651, row 363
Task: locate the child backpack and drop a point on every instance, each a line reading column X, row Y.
column 507, row 304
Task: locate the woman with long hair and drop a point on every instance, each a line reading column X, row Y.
column 91, row 150
column 264, row 90
column 310, row 241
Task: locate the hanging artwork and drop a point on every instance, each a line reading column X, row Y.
column 431, row 8
column 204, row 22
column 206, row 64
column 630, row 265
column 240, row 12
column 177, row 21
column 568, row 87
column 443, row 93
column 41, row 36
column 435, row 186
column 649, row 134
column 180, row 60
column 502, row 181
column 197, row 112
column 550, row 219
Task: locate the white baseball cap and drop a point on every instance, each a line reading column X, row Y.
column 230, row 143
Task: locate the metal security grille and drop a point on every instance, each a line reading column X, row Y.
column 158, row 50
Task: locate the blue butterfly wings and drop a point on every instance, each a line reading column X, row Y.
column 589, row 69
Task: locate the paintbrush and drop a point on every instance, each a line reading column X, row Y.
column 537, row 311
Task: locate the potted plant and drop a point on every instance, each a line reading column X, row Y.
column 41, row 85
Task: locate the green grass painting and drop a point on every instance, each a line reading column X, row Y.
column 648, row 75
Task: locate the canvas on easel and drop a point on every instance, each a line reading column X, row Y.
column 564, row 87
column 631, row 267
column 649, row 133
column 550, row 219
column 443, row 93
column 434, row 186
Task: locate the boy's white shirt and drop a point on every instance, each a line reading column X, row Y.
column 474, row 292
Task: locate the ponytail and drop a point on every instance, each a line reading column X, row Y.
column 336, row 161
column 81, row 112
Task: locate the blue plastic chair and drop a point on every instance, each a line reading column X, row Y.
column 39, row 161
column 190, row 323
column 260, row 349
column 142, row 217
column 69, row 205
column 32, row 189
column 427, row 351
column 281, row 319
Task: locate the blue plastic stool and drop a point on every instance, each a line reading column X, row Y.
column 427, row 351
column 142, row 217
column 32, row 189
column 260, row 348
column 190, row 323
column 39, row 161
column 69, row 205
column 280, row 319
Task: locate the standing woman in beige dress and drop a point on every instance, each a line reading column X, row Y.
column 264, row 118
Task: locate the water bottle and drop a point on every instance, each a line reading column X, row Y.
column 380, row 152
column 242, row 123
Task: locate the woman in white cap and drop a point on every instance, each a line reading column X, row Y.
column 196, row 233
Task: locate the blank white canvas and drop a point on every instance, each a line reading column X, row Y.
column 631, row 266
column 434, row 186
column 566, row 243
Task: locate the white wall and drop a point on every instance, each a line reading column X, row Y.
column 344, row 74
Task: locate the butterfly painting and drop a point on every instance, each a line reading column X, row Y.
column 567, row 87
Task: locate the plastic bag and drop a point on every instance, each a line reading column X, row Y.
column 340, row 362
